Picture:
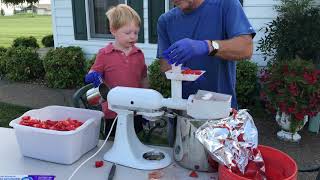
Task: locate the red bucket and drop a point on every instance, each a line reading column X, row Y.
column 279, row 166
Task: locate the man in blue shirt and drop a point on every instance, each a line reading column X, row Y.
column 208, row 35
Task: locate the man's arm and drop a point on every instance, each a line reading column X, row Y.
column 237, row 48
column 164, row 65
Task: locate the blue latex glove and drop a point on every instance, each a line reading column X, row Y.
column 95, row 78
column 185, row 49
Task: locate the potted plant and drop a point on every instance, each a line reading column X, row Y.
column 291, row 89
column 294, row 33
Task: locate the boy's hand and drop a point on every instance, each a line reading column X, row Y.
column 185, row 49
column 94, row 77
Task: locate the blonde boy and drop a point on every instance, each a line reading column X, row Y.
column 120, row 63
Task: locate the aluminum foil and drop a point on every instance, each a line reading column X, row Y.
column 232, row 141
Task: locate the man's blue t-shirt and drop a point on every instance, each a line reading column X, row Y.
column 212, row 20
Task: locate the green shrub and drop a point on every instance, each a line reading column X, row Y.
column 2, row 61
column 246, row 86
column 65, row 67
column 3, row 50
column 48, row 41
column 2, row 12
column 23, row 64
column 158, row 80
column 26, row 42
column 293, row 33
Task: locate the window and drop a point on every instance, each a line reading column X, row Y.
column 156, row 8
column 98, row 21
column 99, row 25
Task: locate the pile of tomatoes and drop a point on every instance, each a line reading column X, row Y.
column 63, row 125
column 190, row 71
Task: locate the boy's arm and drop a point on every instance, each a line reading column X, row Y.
column 99, row 63
column 145, row 82
column 144, row 74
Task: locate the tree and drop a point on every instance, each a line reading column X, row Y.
column 19, row 1
column 15, row 2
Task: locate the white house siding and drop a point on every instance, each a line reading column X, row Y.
column 259, row 13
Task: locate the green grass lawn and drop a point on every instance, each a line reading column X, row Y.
column 15, row 26
column 9, row 112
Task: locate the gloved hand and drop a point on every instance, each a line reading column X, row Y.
column 185, row 49
column 95, row 78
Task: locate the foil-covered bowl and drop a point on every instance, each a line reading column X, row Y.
column 232, row 141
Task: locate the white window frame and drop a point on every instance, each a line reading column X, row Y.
column 90, row 26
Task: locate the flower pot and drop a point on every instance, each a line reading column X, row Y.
column 284, row 121
column 314, row 123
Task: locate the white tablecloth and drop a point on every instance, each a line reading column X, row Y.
column 13, row 163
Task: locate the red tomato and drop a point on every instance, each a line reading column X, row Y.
column 25, row 117
column 99, row 164
column 193, row 174
column 240, row 137
column 214, row 164
column 190, row 71
column 36, row 125
column 63, row 125
column 66, row 123
column 196, row 72
column 70, row 128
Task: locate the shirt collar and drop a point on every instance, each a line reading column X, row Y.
column 110, row 48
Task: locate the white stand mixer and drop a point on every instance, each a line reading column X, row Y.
column 127, row 150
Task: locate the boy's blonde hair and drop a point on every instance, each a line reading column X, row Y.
column 121, row 15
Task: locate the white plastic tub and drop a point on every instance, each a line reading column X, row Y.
column 64, row 147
